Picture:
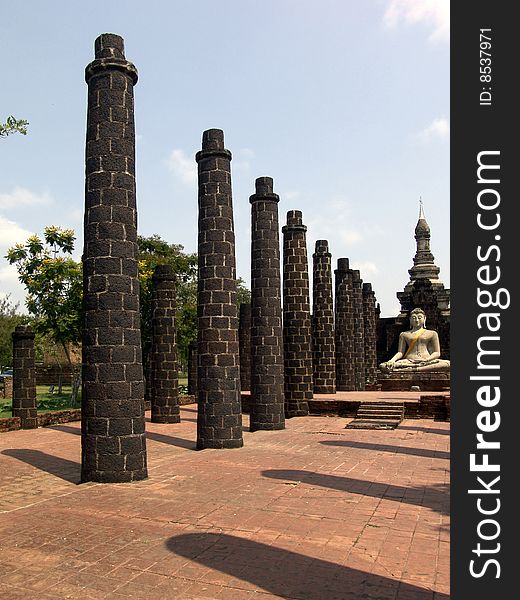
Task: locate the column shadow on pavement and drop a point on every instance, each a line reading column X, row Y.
column 388, row 448
column 288, row 574
column 151, row 435
column 60, row 467
column 435, row 497
column 424, row 429
column 172, row 440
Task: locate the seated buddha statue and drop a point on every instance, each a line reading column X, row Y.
column 418, row 350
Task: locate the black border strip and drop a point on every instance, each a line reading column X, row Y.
column 478, row 127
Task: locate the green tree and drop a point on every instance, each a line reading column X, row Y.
column 243, row 293
column 9, row 319
column 53, row 280
column 154, row 251
column 13, row 125
column 54, row 287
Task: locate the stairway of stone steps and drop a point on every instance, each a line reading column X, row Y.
column 381, row 410
column 378, row 415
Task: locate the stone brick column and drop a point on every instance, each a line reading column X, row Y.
column 370, row 322
column 244, row 343
column 164, row 370
column 267, row 366
column 344, row 327
column 24, row 377
column 147, row 371
column 113, row 439
column 323, row 342
column 219, row 420
column 359, row 332
column 296, row 318
column 192, row 368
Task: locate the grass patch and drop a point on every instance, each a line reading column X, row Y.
column 47, row 401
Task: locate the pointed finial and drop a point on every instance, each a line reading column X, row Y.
column 421, row 209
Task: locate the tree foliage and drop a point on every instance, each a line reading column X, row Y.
column 155, row 251
column 53, row 280
column 9, row 319
column 13, row 125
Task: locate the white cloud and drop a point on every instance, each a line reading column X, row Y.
column 11, row 233
column 290, row 195
column 437, row 130
column 183, row 168
column 8, row 277
column 341, row 207
column 365, row 268
column 351, row 237
column 23, row 197
column 339, row 231
column 76, row 215
column 242, row 159
column 11, row 287
column 247, row 152
column 433, row 13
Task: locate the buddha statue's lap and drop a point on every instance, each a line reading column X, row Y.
column 437, row 365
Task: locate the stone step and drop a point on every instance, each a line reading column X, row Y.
column 377, row 404
column 369, row 408
column 381, row 412
column 372, row 424
column 364, row 415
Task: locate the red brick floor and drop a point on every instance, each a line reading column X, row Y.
column 312, row 512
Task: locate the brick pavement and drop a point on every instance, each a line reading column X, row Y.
column 310, row 512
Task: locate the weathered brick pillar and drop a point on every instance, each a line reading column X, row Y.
column 165, row 381
column 219, row 419
column 147, row 371
column 370, row 322
column 244, row 343
column 323, row 342
column 344, row 327
column 113, row 439
column 296, row 318
column 359, row 332
column 24, row 377
column 192, row 368
column 267, row 366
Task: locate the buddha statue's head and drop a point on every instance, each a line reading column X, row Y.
column 417, row 318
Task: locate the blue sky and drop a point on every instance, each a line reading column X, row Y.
column 344, row 103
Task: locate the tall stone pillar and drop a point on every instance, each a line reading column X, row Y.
column 244, row 343
column 267, row 365
column 296, row 318
column 113, row 438
column 24, row 377
column 359, row 332
column 344, row 327
column 370, row 323
column 147, row 372
column 192, row 368
column 323, row 342
column 164, row 369
column 219, row 419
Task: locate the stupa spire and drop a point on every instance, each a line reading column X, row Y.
column 424, row 267
column 423, row 262
column 421, row 209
